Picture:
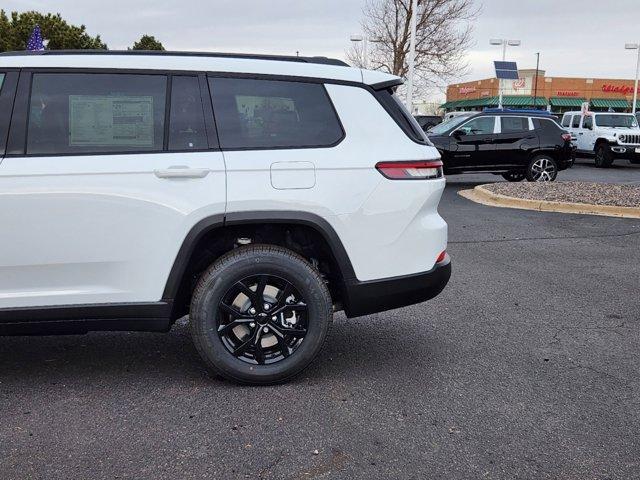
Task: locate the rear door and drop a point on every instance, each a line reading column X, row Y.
column 99, row 190
column 514, row 142
column 473, row 144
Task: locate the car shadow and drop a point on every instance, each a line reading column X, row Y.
column 354, row 347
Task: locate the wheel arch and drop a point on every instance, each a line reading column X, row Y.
column 177, row 288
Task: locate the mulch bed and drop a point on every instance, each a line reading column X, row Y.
column 572, row 192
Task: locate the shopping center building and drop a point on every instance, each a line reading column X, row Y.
column 557, row 94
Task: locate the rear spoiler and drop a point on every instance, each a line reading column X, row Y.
column 388, row 84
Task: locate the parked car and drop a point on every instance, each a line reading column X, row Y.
column 452, row 115
column 256, row 194
column 428, row 121
column 515, row 144
column 608, row 136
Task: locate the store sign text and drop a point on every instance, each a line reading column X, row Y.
column 568, row 93
column 624, row 89
column 467, row 90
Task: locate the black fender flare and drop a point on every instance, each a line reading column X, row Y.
column 265, row 217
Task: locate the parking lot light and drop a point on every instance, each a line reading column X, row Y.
column 504, row 43
column 635, row 46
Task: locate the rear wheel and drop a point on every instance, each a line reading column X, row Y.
column 542, row 168
column 514, row 176
column 260, row 315
column 604, row 157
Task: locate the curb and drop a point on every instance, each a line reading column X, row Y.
column 486, row 197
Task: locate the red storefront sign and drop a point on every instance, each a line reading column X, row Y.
column 568, row 93
column 623, row 89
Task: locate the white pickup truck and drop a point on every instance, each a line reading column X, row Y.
column 608, row 136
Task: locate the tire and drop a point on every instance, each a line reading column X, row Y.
column 604, row 158
column 514, row 176
column 228, row 313
column 542, row 168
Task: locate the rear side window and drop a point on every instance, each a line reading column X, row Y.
column 1, row 80
column 576, row 121
column 546, row 126
column 186, row 125
column 257, row 114
column 514, row 124
column 96, row 113
column 566, row 121
column 587, row 123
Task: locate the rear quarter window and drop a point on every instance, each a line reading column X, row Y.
column 546, row 126
column 1, row 80
column 262, row 114
column 401, row 115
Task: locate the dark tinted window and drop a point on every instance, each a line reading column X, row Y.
column 273, row 114
column 566, row 121
column 1, row 80
column 401, row 115
column 479, row 126
column 587, row 123
column 96, row 113
column 546, row 126
column 576, row 121
column 186, row 126
column 514, row 124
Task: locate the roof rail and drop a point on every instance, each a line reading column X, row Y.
column 530, row 111
column 248, row 56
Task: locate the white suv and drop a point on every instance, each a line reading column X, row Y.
column 256, row 194
column 609, row 136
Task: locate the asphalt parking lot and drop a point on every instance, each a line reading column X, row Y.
column 525, row 368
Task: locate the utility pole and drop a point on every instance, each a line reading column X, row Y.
column 412, row 54
column 535, row 88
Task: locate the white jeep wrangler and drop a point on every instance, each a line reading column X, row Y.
column 256, row 194
column 608, row 136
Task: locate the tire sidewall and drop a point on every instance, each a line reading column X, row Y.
column 205, row 311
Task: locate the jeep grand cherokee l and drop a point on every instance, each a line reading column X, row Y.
column 256, row 194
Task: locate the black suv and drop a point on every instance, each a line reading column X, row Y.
column 515, row 144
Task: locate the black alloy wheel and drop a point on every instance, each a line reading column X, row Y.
column 262, row 320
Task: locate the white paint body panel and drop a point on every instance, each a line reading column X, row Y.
column 100, row 228
column 388, row 228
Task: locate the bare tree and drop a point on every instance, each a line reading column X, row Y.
column 443, row 37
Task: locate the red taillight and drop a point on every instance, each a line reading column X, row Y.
column 415, row 170
column 566, row 137
column 442, row 257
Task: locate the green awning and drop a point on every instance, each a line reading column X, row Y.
column 566, row 102
column 610, row 103
column 450, row 105
column 523, row 101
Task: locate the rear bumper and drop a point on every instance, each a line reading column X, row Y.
column 365, row 298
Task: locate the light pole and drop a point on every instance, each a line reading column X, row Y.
column 412, row 54
column 365, row 54
column 504, row 43
column 635, row 46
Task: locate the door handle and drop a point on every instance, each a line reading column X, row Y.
column 581, row 133
column 181, row 172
